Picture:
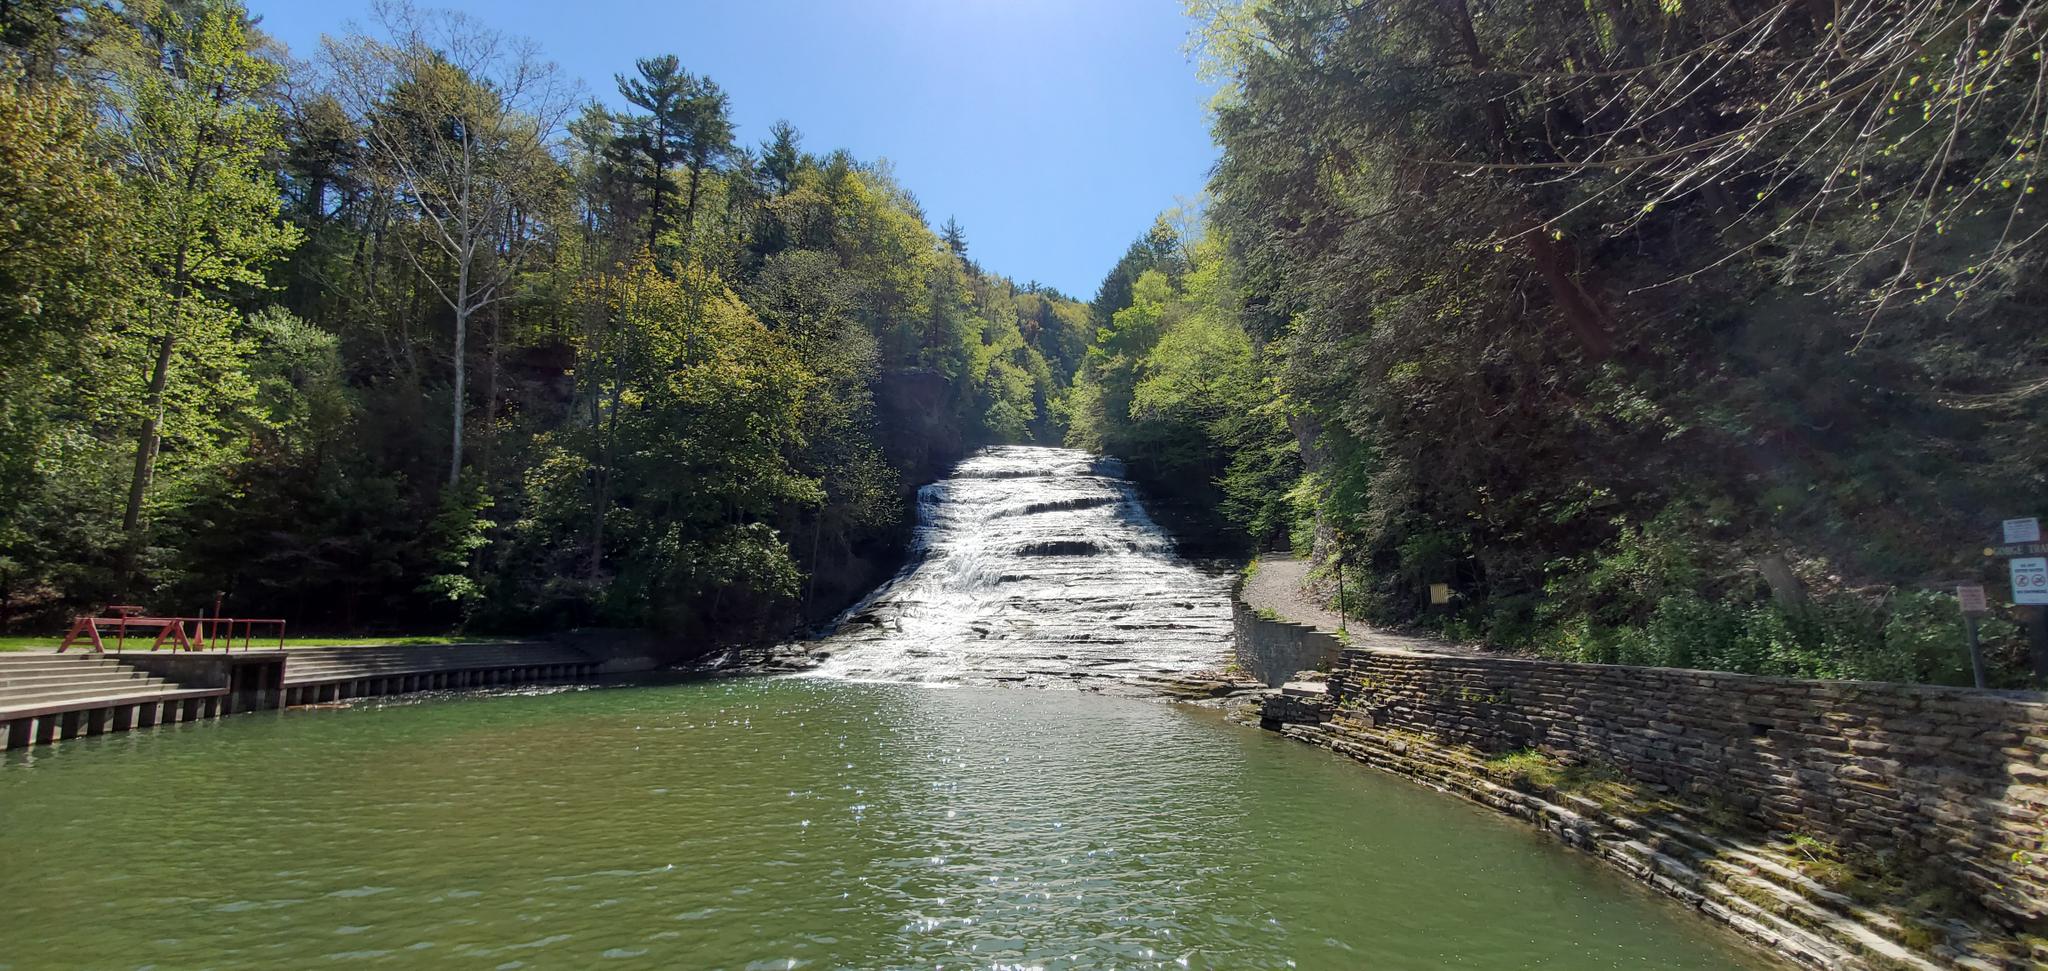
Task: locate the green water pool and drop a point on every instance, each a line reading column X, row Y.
column 781, row 824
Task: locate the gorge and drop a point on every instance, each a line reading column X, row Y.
column 822, row 821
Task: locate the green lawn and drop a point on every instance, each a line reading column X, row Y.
column 47, row 643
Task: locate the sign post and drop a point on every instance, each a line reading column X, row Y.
column 2030, row 593
column 2027, row 563
column 2029, row 580
column 1971, row 596
column 1343, row 613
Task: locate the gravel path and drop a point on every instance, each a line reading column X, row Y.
column 1281, row 585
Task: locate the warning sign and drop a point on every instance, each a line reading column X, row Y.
column 2030, row 580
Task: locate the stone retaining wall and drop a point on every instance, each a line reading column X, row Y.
column 1273, row 650
column 1959, row 776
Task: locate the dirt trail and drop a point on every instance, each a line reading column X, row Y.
column 1281, row 585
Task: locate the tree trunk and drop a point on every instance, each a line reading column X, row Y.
column 147, row 440
column 462, row 312
column 599, row 488
column 1555, row 260
column 811, row 568
column 1785, row 586
column 491, row 394
column 1588, row 321
column 606, row 454
column 660, row 161
column 690, row 206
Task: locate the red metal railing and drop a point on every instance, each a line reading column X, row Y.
column 205, row 631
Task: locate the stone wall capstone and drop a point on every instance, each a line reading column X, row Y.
column 1956, row 776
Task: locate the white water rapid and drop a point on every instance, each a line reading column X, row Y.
column 1039, row 566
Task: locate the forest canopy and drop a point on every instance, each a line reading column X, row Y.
column 411, row 333
column 1694, row 334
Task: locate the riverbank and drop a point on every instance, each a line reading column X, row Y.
column 1842, row 824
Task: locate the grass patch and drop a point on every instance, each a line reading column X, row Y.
column 1531, row 770
column 31, row 643
column 1888, row 880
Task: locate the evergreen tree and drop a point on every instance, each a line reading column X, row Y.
column 663, row 135
column 781, row 155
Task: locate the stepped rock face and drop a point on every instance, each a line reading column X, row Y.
column 1040, row 566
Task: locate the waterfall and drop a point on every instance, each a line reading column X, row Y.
column 1040, row 566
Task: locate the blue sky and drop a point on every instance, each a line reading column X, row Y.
column 1054, row 130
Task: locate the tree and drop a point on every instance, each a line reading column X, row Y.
column 195, row 122
column 781, row 155
column 667, row 94
column 690, row 434
column 709, row 134
column 1609, row 314
column 954, row 237
column 65, row 252
column 457, row 119
column 42, row 35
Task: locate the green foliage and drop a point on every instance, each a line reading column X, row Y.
column 650, row 379
column 1173, row 384
column 61, row 273
column 1638, row 366
column 455, row 535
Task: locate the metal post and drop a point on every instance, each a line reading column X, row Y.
column 1343, row 614
column 2037, row 623
column 1976, row 653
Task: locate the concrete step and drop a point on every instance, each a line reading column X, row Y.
column 140, row 689
column 436, row 658
column 57, row 667
column 327, row 664
column 9, row 679
column 81, row 703
column 438, row 662
column 304, row 677
column 32, row 660
column 366, row 652
column 114, row 679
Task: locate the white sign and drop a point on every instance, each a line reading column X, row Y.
column 2030, row 580
column 1972, row 598
column 2023, row 530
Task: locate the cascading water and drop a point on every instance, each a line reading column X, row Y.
column 1035, row 565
